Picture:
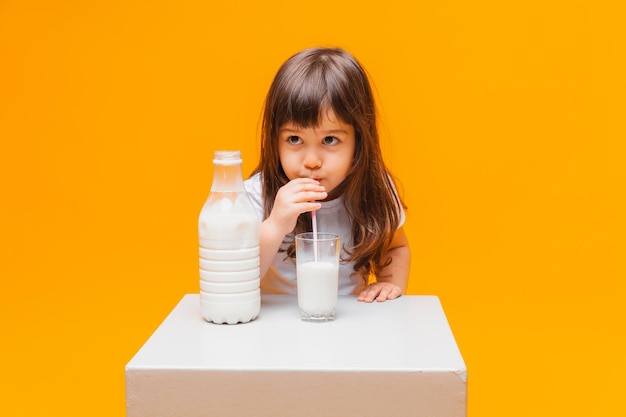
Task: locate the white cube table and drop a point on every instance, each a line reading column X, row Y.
column 397, row 358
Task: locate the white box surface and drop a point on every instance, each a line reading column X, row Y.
column 397, row 358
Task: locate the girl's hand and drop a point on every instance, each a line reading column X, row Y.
column 380, row 291
column 294, row 198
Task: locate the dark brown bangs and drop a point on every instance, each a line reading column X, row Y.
column 302, row 99
column 305, row 95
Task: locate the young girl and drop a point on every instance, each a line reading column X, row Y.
column 320, row 151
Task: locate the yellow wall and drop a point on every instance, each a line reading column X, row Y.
column 506, row 122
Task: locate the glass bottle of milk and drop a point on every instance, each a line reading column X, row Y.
column 228, row 231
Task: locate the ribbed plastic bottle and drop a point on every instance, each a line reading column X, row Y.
column 228, row 231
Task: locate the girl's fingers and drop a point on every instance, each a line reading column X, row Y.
column 380, row 292
column 388, row 293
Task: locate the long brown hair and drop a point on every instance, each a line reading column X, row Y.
column 305, row 86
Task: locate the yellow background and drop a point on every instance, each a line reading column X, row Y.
column 504, row 120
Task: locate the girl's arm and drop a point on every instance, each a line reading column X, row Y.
column 392, row 280
column 271, row 237
column 296, row 197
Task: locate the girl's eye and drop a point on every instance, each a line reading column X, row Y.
column 294, row 140
column 330, row 140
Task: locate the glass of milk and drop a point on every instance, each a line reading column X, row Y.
column 317, row 273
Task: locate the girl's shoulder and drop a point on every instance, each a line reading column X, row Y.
column 253, row 182
column 252, row 186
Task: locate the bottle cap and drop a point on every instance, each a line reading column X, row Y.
column 227, row 157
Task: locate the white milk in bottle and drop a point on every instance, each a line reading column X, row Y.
column 228, row 231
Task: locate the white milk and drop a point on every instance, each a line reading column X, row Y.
column 233, row 276
column 219, row 228
column 317, row 287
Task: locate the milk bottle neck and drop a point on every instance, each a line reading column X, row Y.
column 227, row 178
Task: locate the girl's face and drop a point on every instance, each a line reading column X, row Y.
column 323, row 152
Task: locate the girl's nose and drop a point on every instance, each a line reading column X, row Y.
column 312, row 160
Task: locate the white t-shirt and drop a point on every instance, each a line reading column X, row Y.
column 331, row 218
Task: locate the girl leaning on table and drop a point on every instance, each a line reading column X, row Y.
column 320, row 151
